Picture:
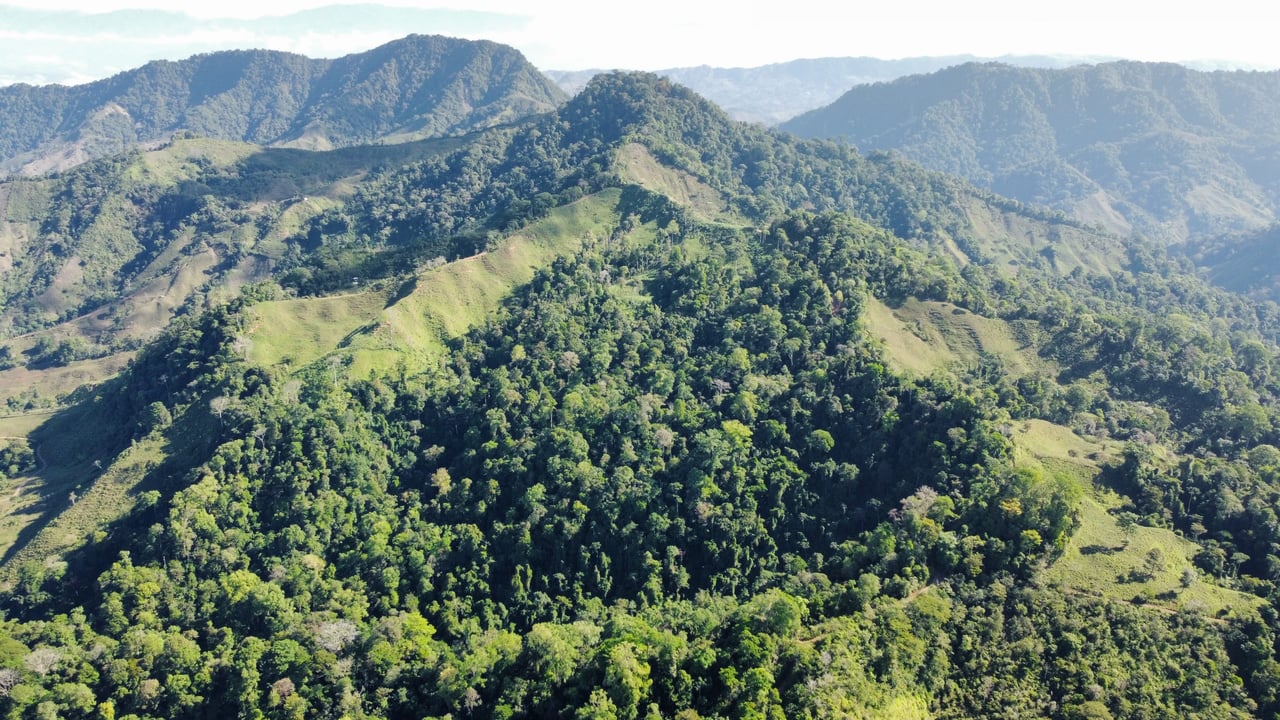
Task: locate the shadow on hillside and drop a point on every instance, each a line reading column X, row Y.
column 84, row 441
column 77, row 447
column 72, row 445
column 189, row 443
column 282, row 174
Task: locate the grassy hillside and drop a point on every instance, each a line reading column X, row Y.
column 636, row 163
column 1142, row 565
column 82, row 480
column 1105, row 557
column 922, row 337
column 163, row 230
column 410, row 320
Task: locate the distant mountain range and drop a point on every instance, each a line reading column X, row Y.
column 773, row 93
column 624, row 409
column 1158, row 149
column 417, row 87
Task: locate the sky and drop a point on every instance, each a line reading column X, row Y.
column 70, row 41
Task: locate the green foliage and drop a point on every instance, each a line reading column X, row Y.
column 1152, row 148
column 415, row 87
column 672, row 475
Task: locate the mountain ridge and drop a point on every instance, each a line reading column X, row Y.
column 621, row 411
column 1154, row 148
column 419, row 86
column 776, row 92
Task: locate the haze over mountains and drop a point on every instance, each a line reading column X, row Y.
column 773, row 93
column 421, row 86
column 615, row 410
column 57, row 45
column 1153, row 148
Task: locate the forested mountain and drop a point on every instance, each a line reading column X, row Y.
column 773, row 93
column 628, row 410
column 1242, row 262
column 88, row 238
column 1157, row 149
column 417, row 87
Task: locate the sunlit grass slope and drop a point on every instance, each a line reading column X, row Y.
column 381, row 327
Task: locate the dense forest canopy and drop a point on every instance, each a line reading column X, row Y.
column 419, row 86
column 678, row 467
column 1157, row 149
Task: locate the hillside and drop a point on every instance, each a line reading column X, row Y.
column 1242, row 262
column 771, row 94
column 1157, row 149
column 417, row 87
column 628, row 410
column 99, row 259
column 109, row 250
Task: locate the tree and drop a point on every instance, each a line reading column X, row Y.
column 8, row 679
column 1128, row 523
column 1188, row 577
column 42, row 660
column 1152, row 563
column 219, row 405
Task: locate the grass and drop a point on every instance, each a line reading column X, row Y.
column 448, row 301
column 151, row 306
column 922, row 337
column 177, row 161
column 906, row 707
column 20, row 425
column 1097, row 209
column 916, row 353
column 291, row 221
column 139, row 315
column 74, row 450
column 60, row 522
column 27, row 200
column 1103, row 559
column 638, row 165
column 182, row 270
column 14, row 237
column 47, row 386
column 1059, row 449
column 299, row 331
column 377, row 333
column 89, row 474
column 1012, row 240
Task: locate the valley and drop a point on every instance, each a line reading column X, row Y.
column 612, row 406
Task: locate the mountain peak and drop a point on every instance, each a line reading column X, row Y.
column 1140, row 147
column 620, row 102
column 416, row 87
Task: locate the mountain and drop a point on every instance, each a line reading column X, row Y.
column 1158, row 149
column 773, row 93
column 623, row 410
column 91, row 236
column 417, row 87
column 1242, row 262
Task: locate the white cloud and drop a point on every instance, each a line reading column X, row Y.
column 573, row 34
